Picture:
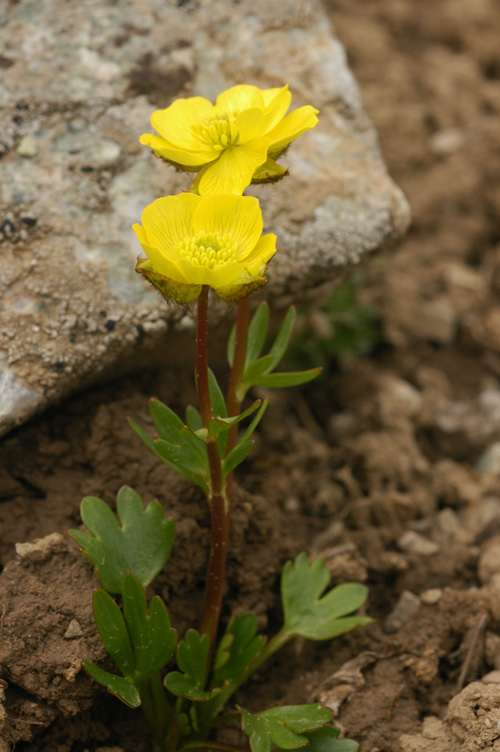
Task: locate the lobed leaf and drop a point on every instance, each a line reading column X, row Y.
column 192, row 659
column 117, row 685
column 111, row 626
column 139, row 541
column 326, row 739
column 237, row 649
column 283, row 726
column 310, row 614
column 153, row 640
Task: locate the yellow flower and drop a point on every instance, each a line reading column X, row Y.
column 232, row 142
column 192, row 241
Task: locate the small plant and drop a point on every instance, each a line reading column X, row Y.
column 211, row 238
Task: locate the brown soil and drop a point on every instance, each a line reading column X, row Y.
column 378, row 473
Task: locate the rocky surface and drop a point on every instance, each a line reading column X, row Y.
column 78, row 84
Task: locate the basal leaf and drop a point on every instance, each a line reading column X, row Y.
column 192, row 659
column 153, row 640
column 111, row 626
column 139, row 541
column 257, row 333
column 239, row 646
column 311, row 614
column 289, row 378
column 326, row 740
column 117, row 685
column 283, row 726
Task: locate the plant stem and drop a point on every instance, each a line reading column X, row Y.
column 233, row 404
column 219, row 501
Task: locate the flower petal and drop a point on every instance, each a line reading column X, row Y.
column 194, row 158
column 239, row 98
column 291, row 127
column 277, row 105
column 257, row 261
column 238, row 216
column 161, row 264
column 174, row 123
column 233, row 171
column 167, row 221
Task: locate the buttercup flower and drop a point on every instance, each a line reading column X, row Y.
column 192, row 241
column 232, row 142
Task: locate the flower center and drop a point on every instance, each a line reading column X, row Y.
column 208, row 249
column 218, row 132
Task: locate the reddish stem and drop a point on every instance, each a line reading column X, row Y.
column 218, row 501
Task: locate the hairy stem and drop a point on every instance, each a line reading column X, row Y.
column 219, row 501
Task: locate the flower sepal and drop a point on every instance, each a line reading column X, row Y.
column 269, row 172
column 170, row 290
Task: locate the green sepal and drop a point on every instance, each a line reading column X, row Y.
column 192, row 659
column 117, row 685
column 153, row 639
column 290, row 378
column 257, row 333
column 269, row 172
column 139, row 541
column 307, row 613
column 113, row 631
column 326, row 740
column 283, row 726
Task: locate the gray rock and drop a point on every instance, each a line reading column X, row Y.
column 414, row 543
column 77, row 89
column 405, row 609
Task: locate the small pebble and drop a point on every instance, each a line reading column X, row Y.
column 28, row 147
column 42, row 549
column 404, row 610
column 431, row 597
column 413, row 543
column 492, row 678
column 73, row 630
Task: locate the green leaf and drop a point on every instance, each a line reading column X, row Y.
column 231, row 346
column 282, row 340
column 217, row 425
column 236, row 456
column 255, row 422
column 111, row 626
column 216, row 397
column 283, row 726
column 258, row 367
column 326, row 740
column 193, row 418
column 237, row 649
column 257, row 333
column 192, row 659
column 182, row 457
column 139, row 541
column 117, row 685
column 307, row 613
column 289, row 378
column 167, row 423
column 153, row 639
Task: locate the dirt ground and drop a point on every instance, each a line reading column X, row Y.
column 393, row 467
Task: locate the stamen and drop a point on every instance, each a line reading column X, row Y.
column 208, row 249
